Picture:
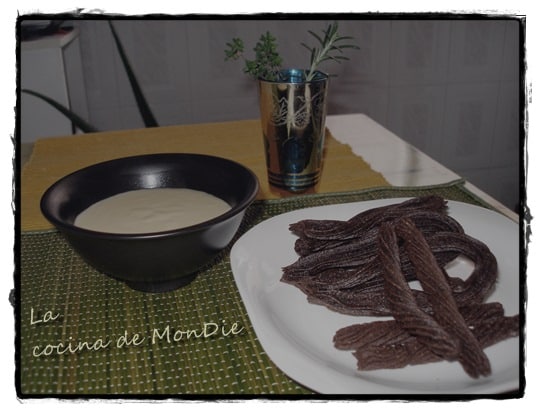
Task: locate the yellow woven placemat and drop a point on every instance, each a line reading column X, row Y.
column 241, row 141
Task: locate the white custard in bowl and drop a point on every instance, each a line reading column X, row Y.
column 151, row 210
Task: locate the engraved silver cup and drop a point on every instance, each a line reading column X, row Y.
column 293, row 115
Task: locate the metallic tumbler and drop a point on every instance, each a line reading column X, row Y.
column 293, row 115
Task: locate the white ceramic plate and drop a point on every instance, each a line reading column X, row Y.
column 298, row 336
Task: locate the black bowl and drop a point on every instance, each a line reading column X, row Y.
column 159, row 261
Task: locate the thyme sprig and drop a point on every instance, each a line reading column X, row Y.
column 267, row 63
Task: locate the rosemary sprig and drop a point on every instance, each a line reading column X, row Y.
column 330, row 44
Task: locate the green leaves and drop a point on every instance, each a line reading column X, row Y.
column 235, row 49
column 267, row 62
column 331, row 47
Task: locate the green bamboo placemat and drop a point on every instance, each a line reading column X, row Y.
column 96, row 321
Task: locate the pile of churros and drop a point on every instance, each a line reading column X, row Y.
column 364, row 266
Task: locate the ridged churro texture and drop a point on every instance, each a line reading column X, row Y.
column 365, row 266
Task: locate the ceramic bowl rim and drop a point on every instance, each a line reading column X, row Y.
column 247, row 199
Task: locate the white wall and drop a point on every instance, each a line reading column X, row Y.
column 450, row 87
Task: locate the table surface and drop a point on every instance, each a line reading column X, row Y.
column 364, row 161
column 399, row 162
